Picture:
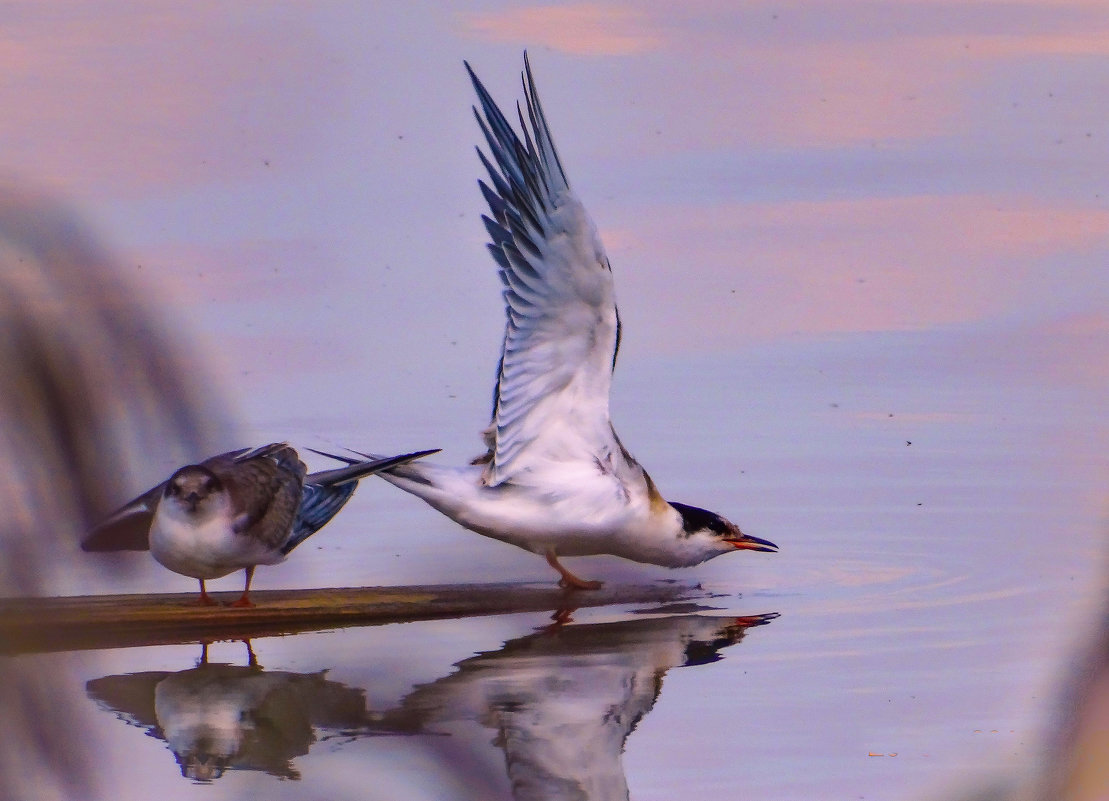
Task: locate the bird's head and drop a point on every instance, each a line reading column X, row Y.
column 714, row 535
column 192, row 486
column 704, row 646
column 202, row 767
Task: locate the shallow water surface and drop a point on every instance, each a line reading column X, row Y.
column 924, row 629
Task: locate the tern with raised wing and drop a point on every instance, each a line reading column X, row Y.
column 556, row 480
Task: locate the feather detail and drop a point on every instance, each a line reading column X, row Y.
column 561, row 324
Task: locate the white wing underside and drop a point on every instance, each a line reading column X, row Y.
column 562, row 329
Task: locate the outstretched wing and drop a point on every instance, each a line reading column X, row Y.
column 128, row 527
column 131, row 697
column 562, row 328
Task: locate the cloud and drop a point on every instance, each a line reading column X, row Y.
column 243, row 271
column 844, row 92
column 814, row 73
column 581, row 29
column 137, row 95
column 1074, row 43
column 767, row 270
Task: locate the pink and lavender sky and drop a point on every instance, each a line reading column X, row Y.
column 297, row 180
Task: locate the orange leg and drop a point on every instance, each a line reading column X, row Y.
column 205, row 599
column 244, row 599
column 562, row 617
column 559, row 620
column 569, row 580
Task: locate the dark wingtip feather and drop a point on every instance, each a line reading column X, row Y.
column 357, row 468
column 494, row 201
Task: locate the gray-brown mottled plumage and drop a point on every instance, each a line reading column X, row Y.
column 233, row 512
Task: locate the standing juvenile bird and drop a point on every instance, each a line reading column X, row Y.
column 556, row 480
column 233, row 512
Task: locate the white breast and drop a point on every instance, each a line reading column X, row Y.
column 204, row 548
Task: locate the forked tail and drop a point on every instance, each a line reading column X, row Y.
column 327, row 491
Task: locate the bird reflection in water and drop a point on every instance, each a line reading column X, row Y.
column 562, row 701
column 217, row 717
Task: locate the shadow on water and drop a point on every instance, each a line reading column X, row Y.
column 559, row 704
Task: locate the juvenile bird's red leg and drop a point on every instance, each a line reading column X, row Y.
column 205, row 599
column 244, row 599
column 569, row 580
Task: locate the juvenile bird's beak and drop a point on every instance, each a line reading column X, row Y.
column 746, row 542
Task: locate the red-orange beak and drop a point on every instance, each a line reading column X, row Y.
column 746, row 542
column 747, row 621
